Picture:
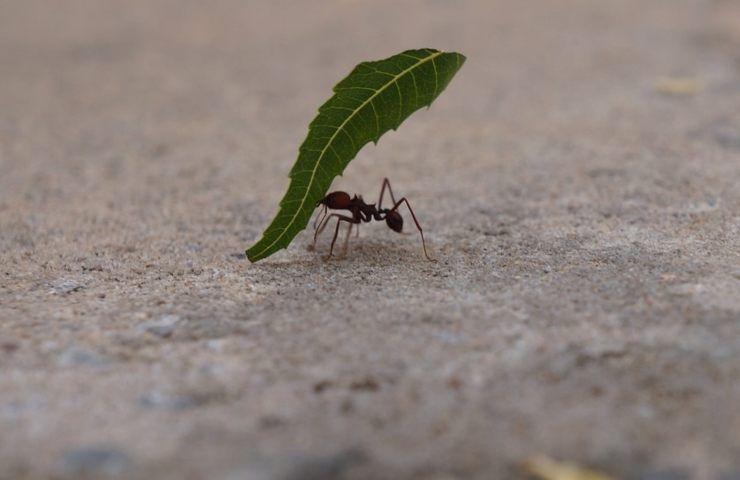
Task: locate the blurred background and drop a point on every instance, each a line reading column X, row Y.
column 578, row 181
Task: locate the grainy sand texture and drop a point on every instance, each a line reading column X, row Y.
column 579, row 182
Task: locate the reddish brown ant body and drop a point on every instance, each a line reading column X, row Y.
column 362, row 212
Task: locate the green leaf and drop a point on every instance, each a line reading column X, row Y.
column 374, row 98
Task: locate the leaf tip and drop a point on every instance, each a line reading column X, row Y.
column 254, row 256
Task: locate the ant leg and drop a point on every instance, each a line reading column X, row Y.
column 322, row 225
column 317, row 222
column 340, row 218
column 346, row 238
column 386, row 183
column 423, row 243
column 320, row 215
column 325, row 222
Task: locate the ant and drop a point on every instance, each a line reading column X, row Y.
column 362, row 212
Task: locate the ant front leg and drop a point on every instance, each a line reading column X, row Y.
column 340, row 218
column 318, row 221
column 421, row 232
column 321, row 225
column 322, row 213
column 386, row 183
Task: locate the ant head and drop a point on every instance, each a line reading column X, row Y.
column 336, row 200
column 394, row 220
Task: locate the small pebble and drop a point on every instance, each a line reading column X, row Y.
column 324, row 467
column 20, row 408
column 367, row 384
column 95, row 460
column 9, row 347
column 298, row 466
column 216, row 344
column 449, row 337
column 77, row 356
column 65, row 287
column 165, row 401
column 164, row 327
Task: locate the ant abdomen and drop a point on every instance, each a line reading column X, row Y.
column 394, row 220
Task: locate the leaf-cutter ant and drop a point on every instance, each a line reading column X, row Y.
column 362, row 212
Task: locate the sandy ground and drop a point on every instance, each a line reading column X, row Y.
column 579, row 182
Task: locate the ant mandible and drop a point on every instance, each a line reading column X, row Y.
column 362, row 212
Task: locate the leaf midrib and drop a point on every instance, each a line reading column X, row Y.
column 341, row 127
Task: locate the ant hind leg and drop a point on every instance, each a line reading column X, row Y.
column 421, row 232
column 386, row 183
